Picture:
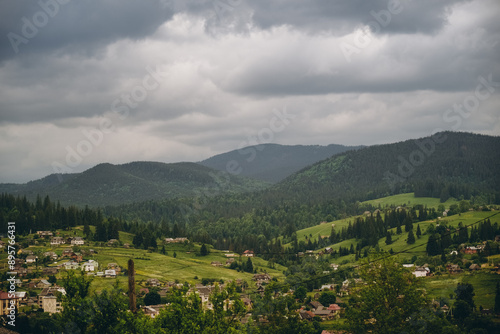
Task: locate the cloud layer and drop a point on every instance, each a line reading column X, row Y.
column 85, row 82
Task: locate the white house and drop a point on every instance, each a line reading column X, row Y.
column 90, row 265
column 57, row 241
column 77, row 241
column 422, row 271
column 31, row 259
column 110, row 273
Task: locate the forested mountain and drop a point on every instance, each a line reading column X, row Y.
column 107, row 184
column 446, row 164
column 273, row 162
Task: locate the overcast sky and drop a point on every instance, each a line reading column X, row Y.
column 86, row 82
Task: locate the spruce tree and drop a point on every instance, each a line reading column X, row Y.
column 411, row 238
column 249, row 266
column 204, row 250
column 388, row 238
column 419, row 233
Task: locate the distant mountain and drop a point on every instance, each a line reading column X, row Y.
column 272, row 162
column 447, row 164
column 107, row 184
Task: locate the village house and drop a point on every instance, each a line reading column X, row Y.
column 115, row 267
column 51, row 255
column 71, row 265
column 22, row 272
column 471, row 250
column 474, row 267
column 67, row 252
column 110, row 273
column 22, row 296
column 44, row 233
column 306, row 315
column 216, row 264
column 90, row 265
column 47, row 299
column 262, row 278
column 229, row 261
column 324, row 313
column 112, row 242
column 76, row 257
column 47, row 271
column 55, row 241
column 43, row 284
column 248, row 253
column 31, row 259
column 152, row 282
column 422, row 272
column 204, row 294
column 77, row 241
column 176, row 240
column 327, row 287
column 335, row 308
column 152, row 310
column 453, row 268
column 6, row 300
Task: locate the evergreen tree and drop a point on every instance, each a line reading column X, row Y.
column 432, row 246
column 204, row 250
column 411, row 238
column 249, row 266
column 398, row 229
column 388, row 238
column 419, row 233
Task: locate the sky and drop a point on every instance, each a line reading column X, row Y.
column 87, row 82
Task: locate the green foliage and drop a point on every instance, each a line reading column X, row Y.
column 152, row 298
column 300, row 293
column 465, row 292
column 326, row 298
column 388, row 299
column 186, row 315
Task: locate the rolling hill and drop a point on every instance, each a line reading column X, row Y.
column 273, row 162
column 107, row 184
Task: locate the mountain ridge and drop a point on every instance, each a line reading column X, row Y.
column 272, row 162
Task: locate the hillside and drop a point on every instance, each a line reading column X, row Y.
column 273, row 162
column 107, row 184
column 451, row 164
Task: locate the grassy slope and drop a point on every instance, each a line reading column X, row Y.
column 166, row 268
column 409, row 199
column 398, row 200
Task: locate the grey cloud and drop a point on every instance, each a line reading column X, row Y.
column 427, row 16
column 77, row 26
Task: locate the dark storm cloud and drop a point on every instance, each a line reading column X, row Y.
column 77, row 26
column 426, row 16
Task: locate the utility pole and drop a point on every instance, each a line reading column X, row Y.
column 131, row 286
